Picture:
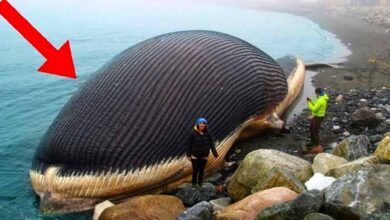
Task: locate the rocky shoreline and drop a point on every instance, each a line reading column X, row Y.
column 372, row 15
column 350, row 180
column 268, row 177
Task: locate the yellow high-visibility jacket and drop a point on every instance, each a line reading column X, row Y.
column 318, row 107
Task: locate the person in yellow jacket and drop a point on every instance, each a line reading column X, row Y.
column 318, row 111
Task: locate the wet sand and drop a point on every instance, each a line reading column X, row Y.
column 369, row 63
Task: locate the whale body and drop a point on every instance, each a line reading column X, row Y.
column 125, row 130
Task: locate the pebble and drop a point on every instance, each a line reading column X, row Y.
column 336, row 128
column 380, row 116
column 348, row 77
column 229, row 164
column 339, row 98
column 346, row 133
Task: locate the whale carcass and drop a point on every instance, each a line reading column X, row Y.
column 124, row 132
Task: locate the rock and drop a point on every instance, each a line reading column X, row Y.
column 363, row 100
column 366, row 191
column 387, row 108
column 332, row 145
column 99, row 208
column 382, row 128
column 250, row 206
column 383, row 150
column 237, row 151
column 214, row 178
column 278, row 211
column 336, row 128
column 348, row 77
column 324, row 162
column 229, row 164
column 258, row 164
column 307, row 202
column 352, row 166
column 375, row 138
column 353, row 147
column 382, row 216
column 319, row 182
column 146, row 207
column 221, row 203
column 200, row 211
column 317, row 216
column 346, row 134
column 191, row 195
column 380, row 116
column 339, row 98
column 364, row 117
column 279, row 177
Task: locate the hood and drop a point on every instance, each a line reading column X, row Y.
column 325, row 97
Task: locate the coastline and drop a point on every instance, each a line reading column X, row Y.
column 357, row 75
column 369, row 61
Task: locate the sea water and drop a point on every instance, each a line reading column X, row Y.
column 98, row 30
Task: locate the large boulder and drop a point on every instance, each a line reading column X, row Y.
column 146, row 207
column 353, row 147
column 308, row 202
column 324, row 162
column 383, row 150
column 297, row 209
column 249, row 207
column 381, row 216
column 353, row 166
column 277, row 212
column 256, row 166
column 365, row 117
column 364, row 192
column 200, row 211
column 317, row 216
column 280, row 177
column 192, row 195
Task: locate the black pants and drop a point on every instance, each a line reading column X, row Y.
column 315, row 125
column 198, row 166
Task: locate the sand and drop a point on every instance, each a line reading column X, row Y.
column 369, row 63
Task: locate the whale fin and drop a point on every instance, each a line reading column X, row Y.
column 274, row 121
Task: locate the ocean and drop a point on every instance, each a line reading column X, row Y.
column 98, row 30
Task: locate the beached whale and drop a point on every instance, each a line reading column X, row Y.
column 124, row 132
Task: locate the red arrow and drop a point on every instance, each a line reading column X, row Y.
column 58, row 62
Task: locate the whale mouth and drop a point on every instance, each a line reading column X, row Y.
column 75, row 193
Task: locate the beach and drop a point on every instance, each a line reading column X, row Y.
column 368, row 39
column 365, row 70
